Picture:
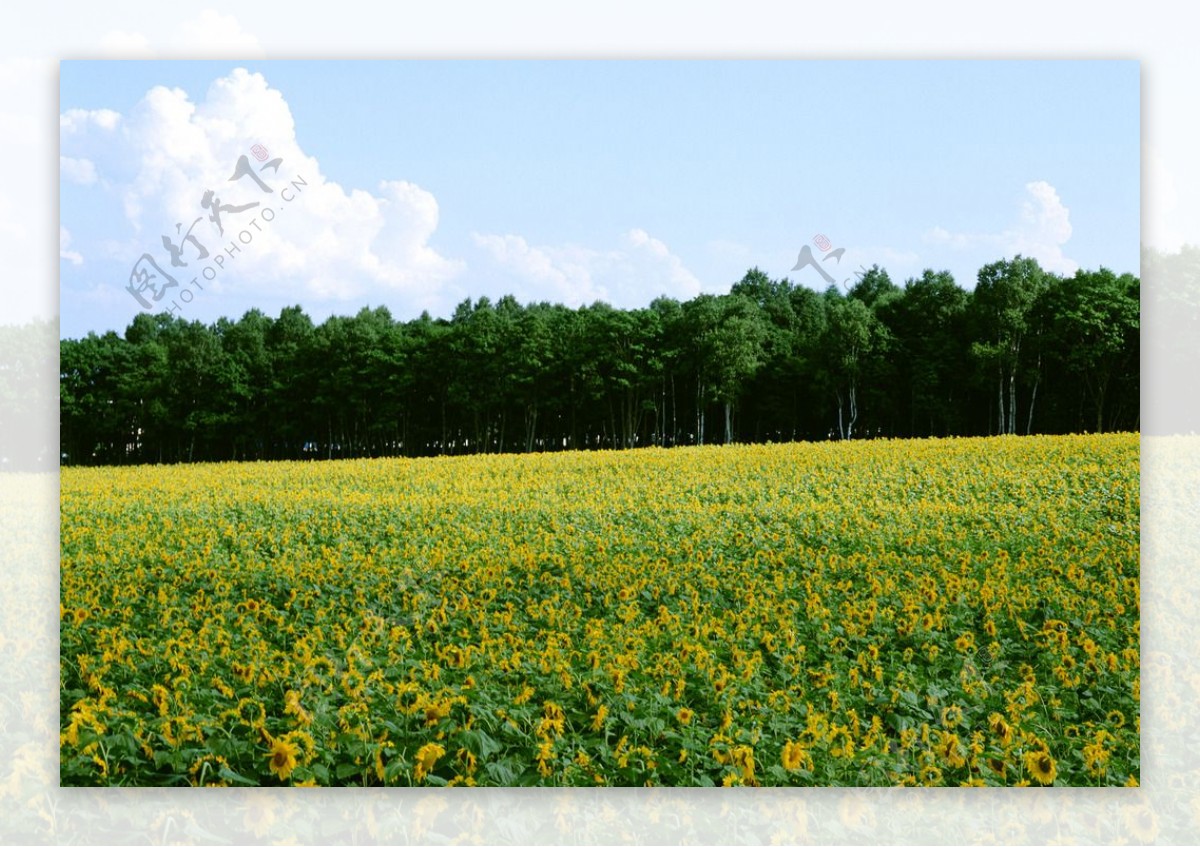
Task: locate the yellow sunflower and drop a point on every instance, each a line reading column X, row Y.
column 427, row 757
column 1000, row 727
column 282, row 757
column 950, row 749
column 600, row 716
column 793, row 756
column 1041, row 766
column 743, row 758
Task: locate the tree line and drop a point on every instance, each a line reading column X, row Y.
column 1025, row 351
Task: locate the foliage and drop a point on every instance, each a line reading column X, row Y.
column 1025, row 351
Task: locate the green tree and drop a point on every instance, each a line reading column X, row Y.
column 735, row 351
column 291, row 414
column 927, row 323
column 701, row 317
column 1094, row 317
column 1001, row 304
column 852, row 334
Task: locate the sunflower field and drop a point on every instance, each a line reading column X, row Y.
column 935, row 612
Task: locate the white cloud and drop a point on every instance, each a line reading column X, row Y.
column 82, row 171
column 557, row 275
column 1042, row 228
column 125, row 45
column 80, row 120
column 940, row 235
column 663, row 265
column 1045, row 227
column 64, row 241
column 210, row 32
column 1170, row 218
column 209, row 35
column 638, row 268
column 333, row 243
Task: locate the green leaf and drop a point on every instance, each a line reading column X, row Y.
column 227, row 773
column 501, row 771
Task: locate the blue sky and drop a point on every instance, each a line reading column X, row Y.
column 423, row 183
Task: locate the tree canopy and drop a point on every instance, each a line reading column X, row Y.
column 1025, row 351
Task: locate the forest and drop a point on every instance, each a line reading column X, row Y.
column 1025, row 351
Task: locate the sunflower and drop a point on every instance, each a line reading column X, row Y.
column 1095, row 759
column 427, row 757
column 793, row 756
column 1141, row 823
column 952, row 716
column 1000, row 727
column 598, row 720
column 291, row 706
column 282, row 757
column 743, row 758
column 1041, row 767
column 931, row 775
column 950, row 749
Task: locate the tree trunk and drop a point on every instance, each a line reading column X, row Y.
column 1033, row 396
column 1000, row 401
column 531, row 415
column 1012, row 401
column 853, row 410
column 674, row 422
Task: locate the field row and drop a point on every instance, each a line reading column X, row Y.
column 940, row 612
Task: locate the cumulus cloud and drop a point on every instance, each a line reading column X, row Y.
column 64, row 242
column 1045, row 227
column 75, row 121
column 125, row 45
column 82, row 171
column 212, row 31
column 175, row 167
column 209, row 35
column 1170, row 217
column 631, row 273
column 547, row 277
column 1042, row 228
